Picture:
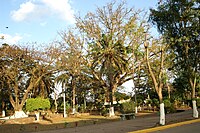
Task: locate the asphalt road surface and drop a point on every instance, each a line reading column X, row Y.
column 189, row 128
column 143, row 122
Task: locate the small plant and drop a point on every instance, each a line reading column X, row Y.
column 169, row 107
column 127, row 107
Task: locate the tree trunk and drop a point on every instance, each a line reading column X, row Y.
column 194, row 104
column 169, row 91
column 162, row 114
column 19, row 114
column 158, row 84
column 55, row 101
column 111, row 110
column 17, row 103
column 37, row 114
column 84, row 101
column 195, row 111
column 3, row 109
column 136, row 109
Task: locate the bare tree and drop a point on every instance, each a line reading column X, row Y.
column 111, row 33
column 23, row 69
column 157, row 66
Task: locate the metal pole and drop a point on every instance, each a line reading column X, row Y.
column 65, row 115
column 136, row 111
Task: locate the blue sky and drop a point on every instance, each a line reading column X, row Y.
column 40, row 20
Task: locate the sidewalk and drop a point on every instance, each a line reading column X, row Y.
column 141, row 122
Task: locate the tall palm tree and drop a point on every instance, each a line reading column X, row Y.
column 111, row 60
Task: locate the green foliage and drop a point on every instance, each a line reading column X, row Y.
column 38, row 103
column 169, row 107
column 67, row 107
column 155, row 102
column 198, row 102
column 178, row 21
column 167, row 103
column 127, row 107
column 120, row 96
column 139, row 101
column 149, row 101
column 82, row 109
column 104, row 111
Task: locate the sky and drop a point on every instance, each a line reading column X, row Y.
column 29, row 21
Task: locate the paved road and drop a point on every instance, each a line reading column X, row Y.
column 193, row 128
column 139, row 123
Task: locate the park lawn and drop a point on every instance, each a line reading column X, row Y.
column 50, row 123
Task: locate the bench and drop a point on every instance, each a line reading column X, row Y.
column 128, row 116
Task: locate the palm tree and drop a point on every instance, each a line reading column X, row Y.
column 45, row 86
column 63, row 80
column 110, row 59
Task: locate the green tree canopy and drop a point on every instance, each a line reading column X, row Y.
column 35, row 104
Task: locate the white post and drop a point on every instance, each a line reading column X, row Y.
column 136, row 110
column 3, row 113
column 111, row 111
column 162, row 114
column 195, row 111
column 37, row 114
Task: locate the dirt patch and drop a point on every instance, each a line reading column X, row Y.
column 51, row 122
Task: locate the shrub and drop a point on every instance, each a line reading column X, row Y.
column 167, row 103
column 38, row 103
column 127, row 107
column 68, row 108
column 104, row 111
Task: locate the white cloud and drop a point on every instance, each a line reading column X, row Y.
column 40, row 9
column 9, row 39
column 62, row 8
column 23, row 12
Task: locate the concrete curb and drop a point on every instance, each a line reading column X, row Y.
column 166, row 126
